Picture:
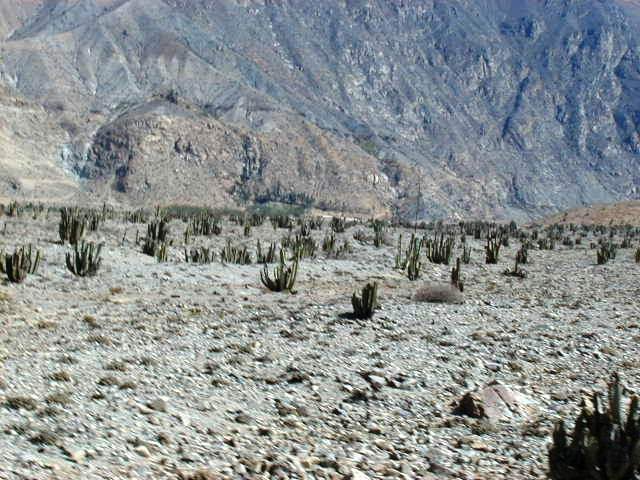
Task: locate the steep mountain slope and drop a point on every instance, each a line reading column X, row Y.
column 487, row 107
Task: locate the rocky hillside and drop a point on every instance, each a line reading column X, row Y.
column 503, row 108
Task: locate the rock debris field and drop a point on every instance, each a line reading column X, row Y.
column 153, row 370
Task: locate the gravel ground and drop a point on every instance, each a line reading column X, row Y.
column 154, row 370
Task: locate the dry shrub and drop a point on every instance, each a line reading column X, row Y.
column 439, row 293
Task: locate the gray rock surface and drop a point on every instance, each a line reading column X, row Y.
column 151, row 369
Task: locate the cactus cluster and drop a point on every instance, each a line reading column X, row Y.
column 284, row 277
column 439, row 248
column 281, row 221
column 162, row 251
column 205, row 224
column 303, row 247
column 156, row 242
column 410, row 260
column 546, row 244
column 378, row 233
column 414, row 265
column 492, row 249
column 201, row 255
column 93, row 221
column 21, row 263
column 604, row 445
column 268, row 256
column 606, row 252
column 365, row 305
column 236, row 255
column 329, row 243
column 85, row 259
column 338, row 224
column 72, row 225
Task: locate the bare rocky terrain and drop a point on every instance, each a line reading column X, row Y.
column 155, row 370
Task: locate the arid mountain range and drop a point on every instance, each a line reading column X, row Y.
column 463, row 108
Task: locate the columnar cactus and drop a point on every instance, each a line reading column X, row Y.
column 338, row 225
column 492, row 250
column 604, row 445
column 378, row 233
column 365, row 305
column 329, row 243
column 522, row 255
column 303, row 247
column 284, row 277
column 266, row 257
column 237, row 255
column 466, row 254
column 439, row 249
column 21, row 263
column 606, row 252
column 413, row 264
column 200, row 255
column 455, row 276
column 84, row 260
column 72, row 225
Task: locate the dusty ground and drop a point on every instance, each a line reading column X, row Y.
column 149, row 369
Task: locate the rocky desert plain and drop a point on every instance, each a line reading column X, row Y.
column 170, row 369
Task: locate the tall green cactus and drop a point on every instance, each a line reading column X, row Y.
column 284, row 277
column 378, row 233
column 440, row 248
column 161, row 252
column 455, row 276
column 85, row 260
column 413, row 263
column 72, row 225
column 266, row 257
column 329, row 243
column 606, row 252
column 201, row 255
column 233, row 254
column 466, row 254
column 365, row 305
column 604, row 445
column 522, row 255
column 21, row 263
column 492, row 250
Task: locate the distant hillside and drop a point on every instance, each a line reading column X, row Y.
column 623, row 213
column 489, row 108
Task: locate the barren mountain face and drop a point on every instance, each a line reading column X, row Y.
column 503, row 108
